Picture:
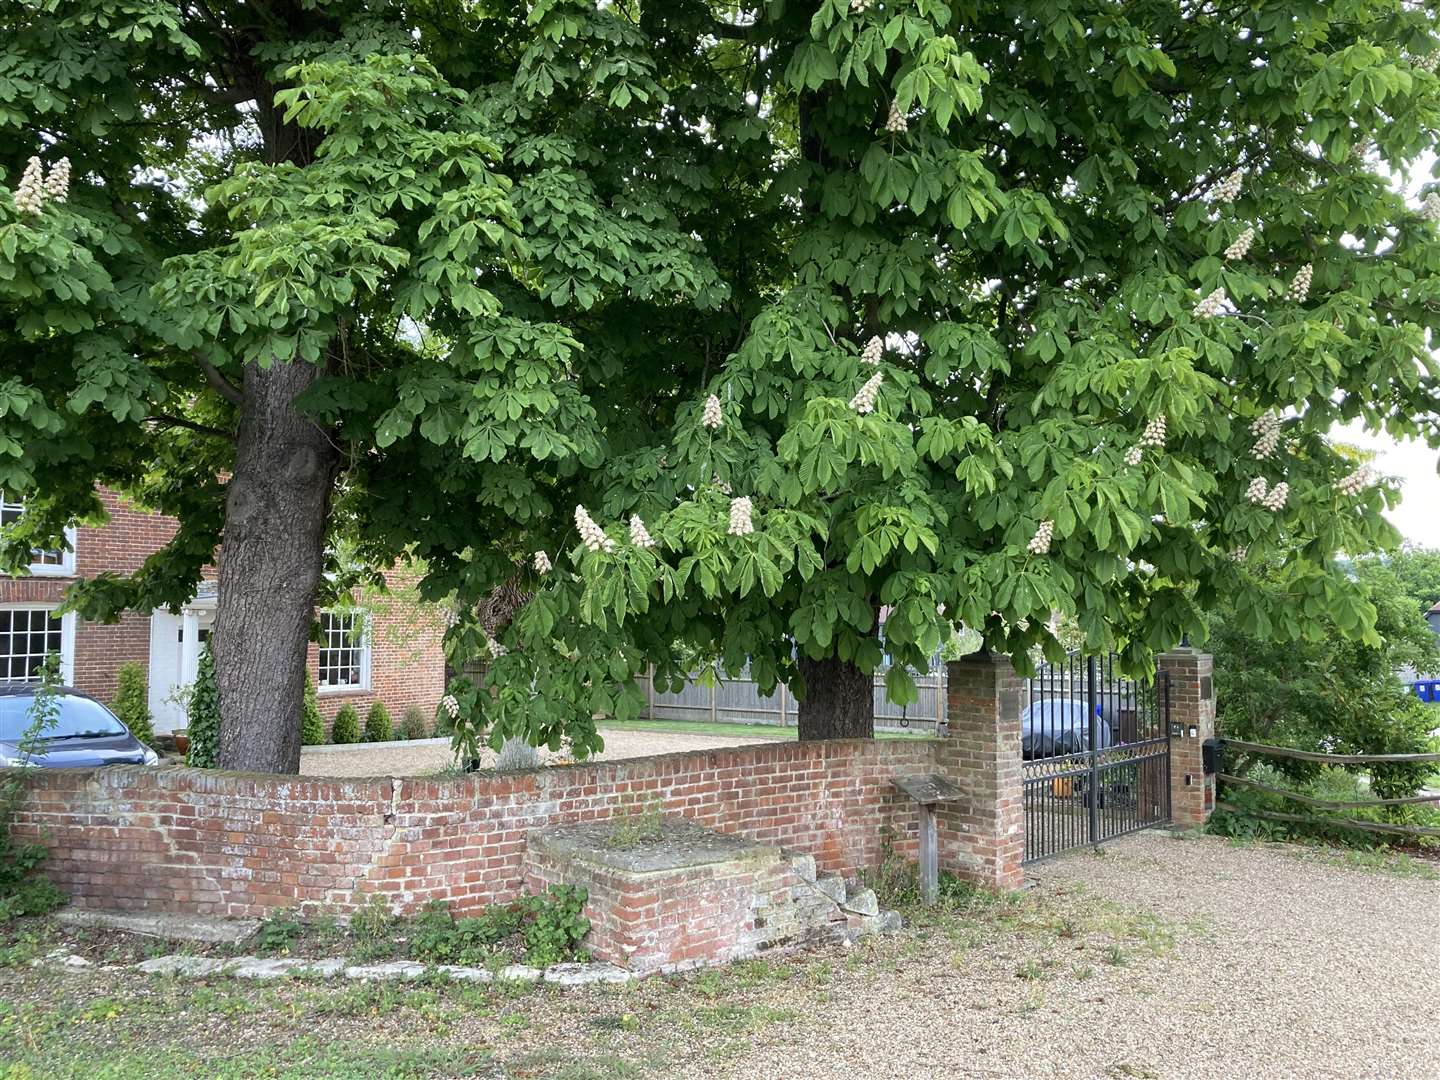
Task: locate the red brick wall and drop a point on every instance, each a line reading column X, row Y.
column 119, row 546
column 217, row 843
column 407, row 663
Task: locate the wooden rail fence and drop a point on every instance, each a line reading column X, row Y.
column 1324, row 804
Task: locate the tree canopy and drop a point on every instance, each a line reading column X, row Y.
column 1417, row 570
column 796, row 316
column 1330, row 693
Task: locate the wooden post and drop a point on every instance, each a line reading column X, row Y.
column 927, row 789
column 929, row 856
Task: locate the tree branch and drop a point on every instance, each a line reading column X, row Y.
column 190, row 425
column 223, row 386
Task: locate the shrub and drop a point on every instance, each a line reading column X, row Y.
column 203, row 714
column 312, row 724
column 347, row 725
column 378, row 727
column 414, row 725
column 132, row 704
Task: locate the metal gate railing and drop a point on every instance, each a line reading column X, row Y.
column 1096, row 755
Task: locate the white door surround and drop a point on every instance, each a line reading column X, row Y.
column 175, row 642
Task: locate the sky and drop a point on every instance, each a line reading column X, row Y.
column 1411, row 462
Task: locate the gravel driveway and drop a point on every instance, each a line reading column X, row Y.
column 1239, row 962
column 428, row 756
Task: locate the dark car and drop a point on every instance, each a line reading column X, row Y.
column 1056, row 728
column 85, row 734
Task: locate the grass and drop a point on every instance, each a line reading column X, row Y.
column 748, row 731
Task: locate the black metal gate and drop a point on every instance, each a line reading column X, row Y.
column 1096, row 750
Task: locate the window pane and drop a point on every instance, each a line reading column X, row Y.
column 27, row 636
column 341, row 649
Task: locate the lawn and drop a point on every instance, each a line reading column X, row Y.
column 739, row 731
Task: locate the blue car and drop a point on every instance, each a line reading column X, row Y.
column 86, row 734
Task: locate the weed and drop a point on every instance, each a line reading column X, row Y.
column 637, row 826
column 1115, row 956
column 1031, row 971
column 277, row 934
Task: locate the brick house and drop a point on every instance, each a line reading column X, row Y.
column 390, row 651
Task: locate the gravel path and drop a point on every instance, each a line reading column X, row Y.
column 1237, row 962
column 430, row 757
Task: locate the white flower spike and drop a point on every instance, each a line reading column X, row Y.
column 542, row 563
column 895, row 123
column 1356, row 482
column 1300, row 287
column 1040, row 542
column 713, row 417
column 864, row 401
column 1266, row 429
column 593, row 536
column 639, row 535
column 1154, row 433
column 873, row 351
column 1211, row 306
column 740, row 516
column 30, row 194
column 1278, row 496
column 1430, row 209
column 1257, row 491
column 1241, row 245
column 57, row 184
column 1134, row 456
column 1228, row 190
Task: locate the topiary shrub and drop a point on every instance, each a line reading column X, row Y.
column 347, row 725
column 312, row 724
column 414, row 725
column 378, row 726
column 132, row 702
column 203, row 714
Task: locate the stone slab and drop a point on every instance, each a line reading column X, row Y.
column 863, row 902
column 207, row 928
column 680, row 845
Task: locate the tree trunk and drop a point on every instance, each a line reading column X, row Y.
column 271, row 557
column 839, row 701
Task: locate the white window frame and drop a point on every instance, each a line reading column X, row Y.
column 66, row 566
column 67, row 635
column 363, row 645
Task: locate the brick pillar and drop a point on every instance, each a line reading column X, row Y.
column 982, row 837
column 1186, row 676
